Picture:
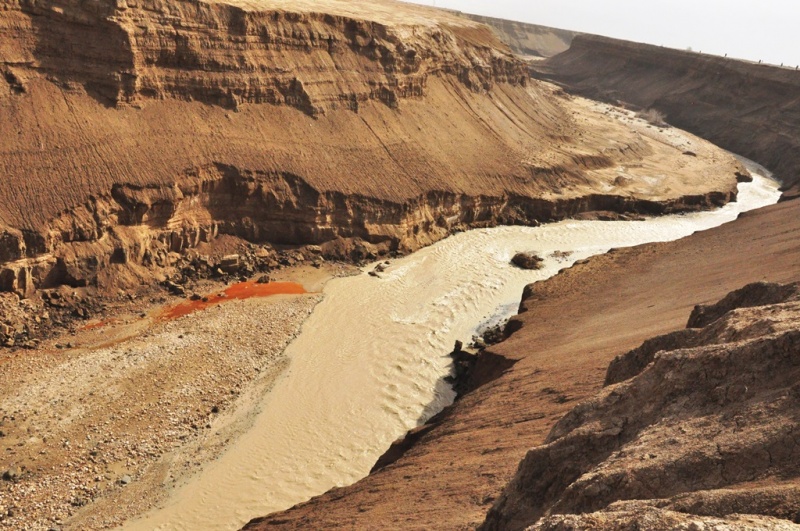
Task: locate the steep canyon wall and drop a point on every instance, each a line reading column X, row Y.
column 133, row 129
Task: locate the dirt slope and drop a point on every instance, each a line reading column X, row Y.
column 530, row 40
column 571, row 327
column 750, row 109
column 132, row 130
column 702, row 421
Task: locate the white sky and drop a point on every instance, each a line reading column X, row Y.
column 766, row 29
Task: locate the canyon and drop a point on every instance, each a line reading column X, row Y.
column 748, row 108
column 182, row 121
column 347, row 395
column 459, row 463
column 152, row 150
column 474, row 458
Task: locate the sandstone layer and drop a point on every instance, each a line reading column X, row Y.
column 134, row 129
column 571, row 327
column 748, row 108
column 702, row 421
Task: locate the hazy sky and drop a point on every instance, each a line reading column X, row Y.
column 765, row 29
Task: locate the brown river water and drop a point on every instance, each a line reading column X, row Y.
column 369, row 362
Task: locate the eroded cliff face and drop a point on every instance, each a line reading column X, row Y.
column 529, row 40
column 230, row 53
column 748, row 108
column 695, row 425
column 131, row 130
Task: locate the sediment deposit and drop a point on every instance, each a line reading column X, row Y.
column 96, row 433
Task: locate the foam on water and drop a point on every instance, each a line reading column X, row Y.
column 369, row 362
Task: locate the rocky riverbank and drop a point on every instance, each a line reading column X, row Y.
column 99, row 426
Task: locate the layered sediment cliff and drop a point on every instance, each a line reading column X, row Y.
column 231, row 53
column 748, row 108
column 133, row 129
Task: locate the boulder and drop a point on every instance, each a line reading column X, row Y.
column 528, row 260
column 17, row 280
column 230, row 263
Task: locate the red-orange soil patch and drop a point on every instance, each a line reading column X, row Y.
column 241, row 291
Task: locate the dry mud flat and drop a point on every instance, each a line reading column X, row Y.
column 96, row 434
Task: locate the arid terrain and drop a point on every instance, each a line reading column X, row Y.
column 156, row 153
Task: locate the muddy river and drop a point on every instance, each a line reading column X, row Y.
column 370, row 361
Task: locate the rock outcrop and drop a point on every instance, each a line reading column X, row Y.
column 748, row 108
column 132, row 129
column 705, row 425
column 527, row 260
